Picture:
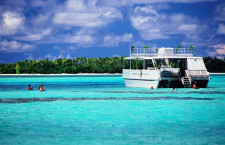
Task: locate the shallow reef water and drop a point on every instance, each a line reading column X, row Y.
column 101, row 110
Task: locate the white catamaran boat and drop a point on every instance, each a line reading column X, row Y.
column 164, row 68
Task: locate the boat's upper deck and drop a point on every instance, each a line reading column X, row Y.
column 163, row 52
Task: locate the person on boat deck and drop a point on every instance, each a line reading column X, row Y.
column 195, row 86
column 29, row 87
column 41, row 88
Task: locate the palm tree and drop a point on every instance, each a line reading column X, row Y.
column 132, row 48
column 191, row 48
column 179, row 46
column 145, row 47
column 17, row 68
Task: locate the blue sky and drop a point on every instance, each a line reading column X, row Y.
column 40, row 29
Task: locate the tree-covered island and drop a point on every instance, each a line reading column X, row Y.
column 85, row 65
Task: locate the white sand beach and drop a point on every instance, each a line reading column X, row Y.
column 79, row 74
column 63, row 74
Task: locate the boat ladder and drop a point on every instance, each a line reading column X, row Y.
column 186, row 82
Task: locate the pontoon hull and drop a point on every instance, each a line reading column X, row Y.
column 141, row 83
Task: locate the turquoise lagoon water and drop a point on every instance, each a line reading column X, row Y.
column 101, row 110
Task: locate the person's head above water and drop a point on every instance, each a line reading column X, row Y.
column 29, row 87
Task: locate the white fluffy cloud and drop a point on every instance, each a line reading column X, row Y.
column 187, row 27
column 112, row 41
column 12, row 22
column 221, row 29
column 154, row 25
column 78, row 13
column 80, row 39
column 152, row 34
column 120, row 3
column 15, row 46
column 220, row 48
column 51, row 57
column 42, row 19
column 220, row 12
column 35, row 36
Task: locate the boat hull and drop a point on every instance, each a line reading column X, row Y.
column 141, row 83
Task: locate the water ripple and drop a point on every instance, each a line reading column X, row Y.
column 28, row 100
column 158, row 92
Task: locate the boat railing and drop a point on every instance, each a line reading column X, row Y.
column 197, row 73
column 143, row 52
column 182, row 51
column 161, row 52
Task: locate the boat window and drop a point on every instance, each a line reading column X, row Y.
column 160, row 63
column 174, row 63
column 135, row 64
column 149, row 64
column 126, row 64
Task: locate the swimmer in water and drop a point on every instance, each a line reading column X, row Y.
column 174, row 89
column 195, row 86
column 41, row 88
column 29, row 87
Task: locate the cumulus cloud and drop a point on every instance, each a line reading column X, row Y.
column 187, row 27
column 42, row 19
column 116, row 55
column 81, row 39
column 221, row 29
column 30, row 57
column 154, row 25
column 35, row 37
column 51, row 57
column 220, row 12
column 71, row 48
column 220, row 48
column 56, row 47
column 145, row 17
column 12, row 22
column 120, row 3
column 152, row 34
column 68, row 56
column 14, row 46
column 112, row 41
column 80, row 14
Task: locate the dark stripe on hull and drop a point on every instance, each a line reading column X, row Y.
column 139, row 79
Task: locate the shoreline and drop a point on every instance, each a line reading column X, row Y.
column 217, row 73
column 64, row 74
column 80, row 74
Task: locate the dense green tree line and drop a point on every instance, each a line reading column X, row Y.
column 214, row 64
column 58, row 66
column 85, row 65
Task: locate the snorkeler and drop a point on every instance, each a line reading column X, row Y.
column 29, row 87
